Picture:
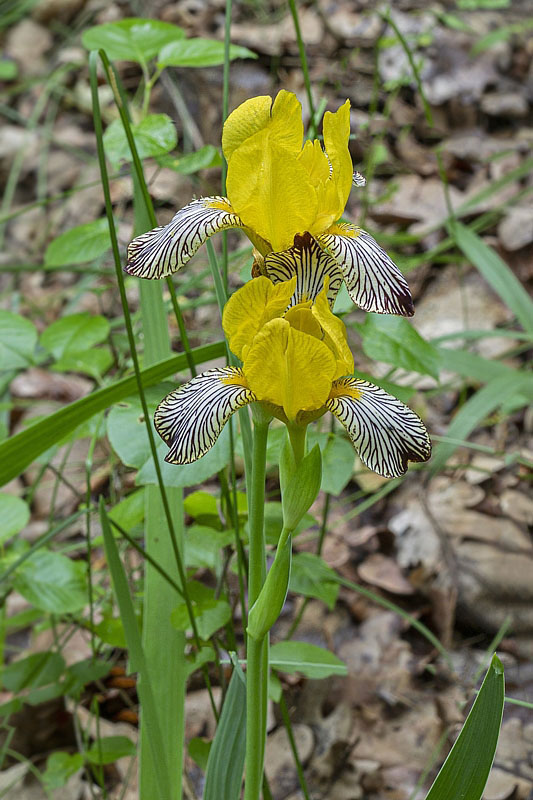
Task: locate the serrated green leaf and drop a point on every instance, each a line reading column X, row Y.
column 198, row 52
column 53, row 582
column 312, row 577
column 14, row 515
column 18, row 338
column 79, row 245
column 309, row 659
column 394, row 340
column 464, row 774
column 155, row 135
column 131, row 39
column 109, row 749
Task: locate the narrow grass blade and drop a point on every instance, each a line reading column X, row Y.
column 225, row 765
column 136, row 653
column 464, row 774
column 496, row 273
column 474, row 411
column 388, row 604
column 20, row 450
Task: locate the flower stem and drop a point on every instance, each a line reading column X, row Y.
column 257, row 652
column 297, row 436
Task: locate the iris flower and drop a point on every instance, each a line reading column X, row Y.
column 297, row 364
column 288, row 198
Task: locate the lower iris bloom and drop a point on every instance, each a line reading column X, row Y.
column 288, row 197
column 296, row 363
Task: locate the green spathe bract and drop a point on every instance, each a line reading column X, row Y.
column 267, row 608
column 300, row 484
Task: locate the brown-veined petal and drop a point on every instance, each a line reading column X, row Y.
column 166, row 249
column 310, row 264
column 190, row 419
column 384, row 431
column 358, row 179
column 373, row 280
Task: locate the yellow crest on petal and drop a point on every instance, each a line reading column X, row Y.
column 335, row 333
column 251, row 307
column 289, row 368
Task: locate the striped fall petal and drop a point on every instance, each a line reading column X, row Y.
column 373, row 280
column 310, row 264
column 166, row 249
column 384, row 431
column 190, row 419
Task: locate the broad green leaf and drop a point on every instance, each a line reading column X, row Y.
column 18, row 338
column 59, row 768
column 199, row 53
column 203, row 545
column 89, row 362
column 338, row 458
column 130, row 511
column 210, row 613
column 312, row 577
column 225, row 764
column 14, row 515
column 201, row 506
column 394, row 340
column 36, row 670
column 464, row 774
column 496, row 272
column 132, row 39
column 79, row 245
column 154, row 136
column 74, row 333
column 309, row 659
column 274, row 522
column 127, row 433
column 8, row 70
column 83, row 672
column 53, row 582
column 476, row 409
column 189, row 163
column 23, row 448
column 109, row 749
column 198, row 658
column 199, row 751
column 111, row 631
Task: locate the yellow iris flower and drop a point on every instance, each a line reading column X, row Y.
column 297, row 365
column 288, row 197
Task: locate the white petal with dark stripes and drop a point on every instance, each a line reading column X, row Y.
column 165, row 250
column 190, row 419
column 308, row 261
column 384, row 431
column 373, row 280
column 358, row 179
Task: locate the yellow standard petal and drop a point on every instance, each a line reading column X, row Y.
column 251, row 307
column 284, row 122
column 336, row 130
column 335, row 333
column 289, row 368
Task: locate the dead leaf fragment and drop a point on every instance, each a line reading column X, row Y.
column 379, row 570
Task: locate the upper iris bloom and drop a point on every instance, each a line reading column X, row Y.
column 288, row 198
column 295, row 359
